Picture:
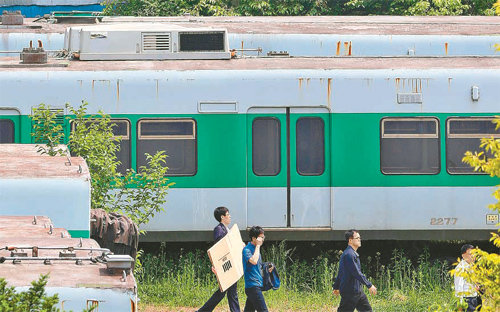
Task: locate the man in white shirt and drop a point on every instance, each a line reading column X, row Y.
column 464, row 289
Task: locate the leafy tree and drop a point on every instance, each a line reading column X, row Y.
column 167, row 8
column 92, row 138
column 438, row 7
column 486, row 269
column 145, row 7
column 139, row 195
column 47, row 132
column 480, row 7
column 297, row 7
column 34, row 299
column 142, row 194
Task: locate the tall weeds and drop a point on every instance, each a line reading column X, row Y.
column 185, row 279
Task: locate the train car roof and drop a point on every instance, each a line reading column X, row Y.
column 353, row 25
column 23, row 161
column 263, row 63
column 18, row 231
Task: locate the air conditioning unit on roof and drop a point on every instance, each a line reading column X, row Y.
column 146, row 41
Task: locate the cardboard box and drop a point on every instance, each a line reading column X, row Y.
column 226, row 257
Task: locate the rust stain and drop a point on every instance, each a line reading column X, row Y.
column 446, row 48
column 242, row 44
column 80, row 82
column 308, row 80
column 350, row 48
column 449, row 82
column 93, row 81
column 157, row 87
column 329, row 91
column 397, row 80
column 420, row 84
column 300, row 83
column 118, row 90
column 338, row 48
column 346, row 47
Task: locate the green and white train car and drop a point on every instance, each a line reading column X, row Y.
column 361, row 122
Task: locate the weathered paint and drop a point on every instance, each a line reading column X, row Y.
column 404, row 208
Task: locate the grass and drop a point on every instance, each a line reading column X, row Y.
column 184, row 279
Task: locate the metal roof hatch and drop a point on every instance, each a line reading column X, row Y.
column 146, row 42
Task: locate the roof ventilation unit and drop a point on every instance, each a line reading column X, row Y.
column 147, row 41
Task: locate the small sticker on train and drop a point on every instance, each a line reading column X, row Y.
column 492, row 219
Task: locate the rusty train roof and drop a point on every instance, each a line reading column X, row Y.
column 264, row 63
column 18, row 231
column 23, row 161
column 354, row 25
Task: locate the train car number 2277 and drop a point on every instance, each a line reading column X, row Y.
column 444, row 221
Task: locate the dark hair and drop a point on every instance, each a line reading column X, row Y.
column 219, row 212
column 465, row 248
column 349, row 234
column 255, row 231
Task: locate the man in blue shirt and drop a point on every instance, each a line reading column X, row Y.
column 252, row 268
column 349, row 279
column 222, row 215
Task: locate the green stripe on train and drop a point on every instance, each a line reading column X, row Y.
column 355, row 153
column 79, row 233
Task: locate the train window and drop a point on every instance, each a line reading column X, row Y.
column 310, row 146
column 266, row 146
column 177, row 137
column 6, row 131
column 121, row 129
column 410, row 146
column 464, row 134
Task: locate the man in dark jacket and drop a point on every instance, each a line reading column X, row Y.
column 349, row 280
column 222, row 215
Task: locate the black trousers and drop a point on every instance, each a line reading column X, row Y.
column 255, row 300
column 473, row 303
column 349, row 302
column 232, row 299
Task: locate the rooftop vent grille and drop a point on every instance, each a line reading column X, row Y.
column 153, row 42
column 206, row 41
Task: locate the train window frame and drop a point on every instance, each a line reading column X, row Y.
column 6, row 120
column 436, row 135
column 279, row 149
column 140, row 136
column 449, row 135
column 297, row 147
column 193, row 136
column 122, row 137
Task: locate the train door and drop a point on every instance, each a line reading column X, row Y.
column 288, row 167
column 310, row 191
column 267, row 167
column 10, row 123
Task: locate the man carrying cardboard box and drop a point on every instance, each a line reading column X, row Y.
column 222, row 215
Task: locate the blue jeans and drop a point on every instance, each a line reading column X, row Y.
column 232, row 299
column 255, row 300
